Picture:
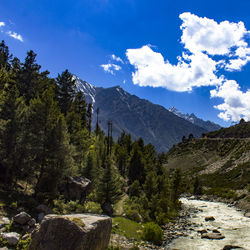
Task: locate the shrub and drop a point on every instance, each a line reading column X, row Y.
column 63, row 207
column 153, row 233
column 23, row 244
column 92, row 207
column 113, row 248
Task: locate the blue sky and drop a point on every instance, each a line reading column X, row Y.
column 193, row 55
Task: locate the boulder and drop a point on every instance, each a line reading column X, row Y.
column 212, row 236
column 4, row 248
column 76, row 188
column 216, row 231
column 22, row 218
column 4, row 221
column 209, row 218
column 12, row 238
column 32, row 222
column 247, row 214
column 229, row 247
column 72, row 232
column 202, row 231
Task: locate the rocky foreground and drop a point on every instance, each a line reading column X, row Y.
column 64, row 232
column 201, row 224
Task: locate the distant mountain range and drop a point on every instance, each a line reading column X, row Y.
column 138, row 117
column 208, row 125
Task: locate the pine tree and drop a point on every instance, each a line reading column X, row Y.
column 48, row 140
column 9, row 132
column 109, row 190
column 5, row 56
column 136, row 166
column 89, row 115
column 89, row 170
column 29, row 78
column 66, row 90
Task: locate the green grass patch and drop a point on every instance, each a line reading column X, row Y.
column 128, row 228
column 237, row 178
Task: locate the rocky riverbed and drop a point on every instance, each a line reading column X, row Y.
column 212, row 225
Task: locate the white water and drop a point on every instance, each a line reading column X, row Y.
column 228, row 220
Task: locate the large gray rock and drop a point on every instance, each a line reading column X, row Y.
column 12, row 238
column 212, row 236
column 230, row 247
column 4, row 221
column 247, row 214
column 209, row 218
column 72, row 232
column 22, row 218
column 76, row 188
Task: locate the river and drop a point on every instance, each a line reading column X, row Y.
column 229, row 221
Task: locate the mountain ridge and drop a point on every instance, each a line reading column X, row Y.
column 136, row 116
column 208, row 125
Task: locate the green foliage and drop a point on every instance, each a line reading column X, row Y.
column 136, row 166
column 153, row 233
column 236, row 178
column 63, row 207
column 241, row 130
column 128, row 228
column 65, row 90
column 135, row 189
column 46, row 136
column 113, row 248
column 3, row 242
column 92, row 207
column 110, row 186
column 23, row 244
column 197, row 186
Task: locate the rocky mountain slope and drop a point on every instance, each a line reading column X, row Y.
column 208, row 125
column 136, row 116
column 221, row 159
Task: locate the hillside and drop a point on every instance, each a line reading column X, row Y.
column 241, row 130
column 221, row 160
column 136, row 116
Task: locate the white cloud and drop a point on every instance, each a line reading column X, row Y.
column 203, row 34
column 110, row 68
column 193, row 70
column 236, row 103
column 116, row 58
column 15, row 35
column 209, row 46
column 2, row 24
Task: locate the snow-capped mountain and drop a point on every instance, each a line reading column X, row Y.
column 86, row 88
column 136, row 116
column 208, row 125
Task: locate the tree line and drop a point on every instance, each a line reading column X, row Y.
column 46, row 135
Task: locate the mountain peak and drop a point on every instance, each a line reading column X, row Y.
column 86, row 88
column 208, row 125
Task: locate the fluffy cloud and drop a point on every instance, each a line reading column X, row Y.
column 110, row 68
column 116, row 58
column 15, row 35
column 2, row 24
column 203, row 34
column 236, row 103
column 202, row 39
column 191, row 71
